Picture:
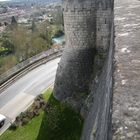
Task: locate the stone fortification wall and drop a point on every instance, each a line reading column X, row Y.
column 75, row 68
column 97, row 108
column 87, row 29
column 84, row 75
column 103, row 24
column 98, row 124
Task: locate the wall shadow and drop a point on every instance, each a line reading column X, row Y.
column 60, row 122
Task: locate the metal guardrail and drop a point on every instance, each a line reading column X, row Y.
column 27, row 65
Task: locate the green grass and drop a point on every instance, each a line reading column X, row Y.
column 3, row 49
column 47, row 94
column 27, row 132
column 58, row 122
column 7, row 62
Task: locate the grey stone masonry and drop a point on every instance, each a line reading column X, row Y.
column 87, row 28
column 126, row 100
column 98, row 124
column 87, row 25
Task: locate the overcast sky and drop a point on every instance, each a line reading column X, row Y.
column 4, row 0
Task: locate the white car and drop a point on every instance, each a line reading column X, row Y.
column 2, row 120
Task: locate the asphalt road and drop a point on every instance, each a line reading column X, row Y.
column 17, row 98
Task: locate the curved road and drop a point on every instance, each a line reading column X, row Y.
column 20, row 94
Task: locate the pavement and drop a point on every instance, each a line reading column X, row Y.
column 126, row 104
column 19, row 96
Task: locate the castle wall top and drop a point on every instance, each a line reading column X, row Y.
column 87, row 4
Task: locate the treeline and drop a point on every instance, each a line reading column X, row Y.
column 20, row 42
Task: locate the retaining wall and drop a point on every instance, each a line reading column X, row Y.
column 27, row 65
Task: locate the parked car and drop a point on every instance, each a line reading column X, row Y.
column 2, row 120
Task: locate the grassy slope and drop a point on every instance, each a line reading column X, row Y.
column 27, row 132
column 58, row 122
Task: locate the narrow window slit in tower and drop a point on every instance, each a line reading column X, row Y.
column 105, row 20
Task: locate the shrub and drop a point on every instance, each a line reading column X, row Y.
column 25, row 117
column 13, row 127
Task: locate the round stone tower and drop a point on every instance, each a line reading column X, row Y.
column 76, row 65
column 87, row 29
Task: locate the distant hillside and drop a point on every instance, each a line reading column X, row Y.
column 31, row 1
column 38, row 1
